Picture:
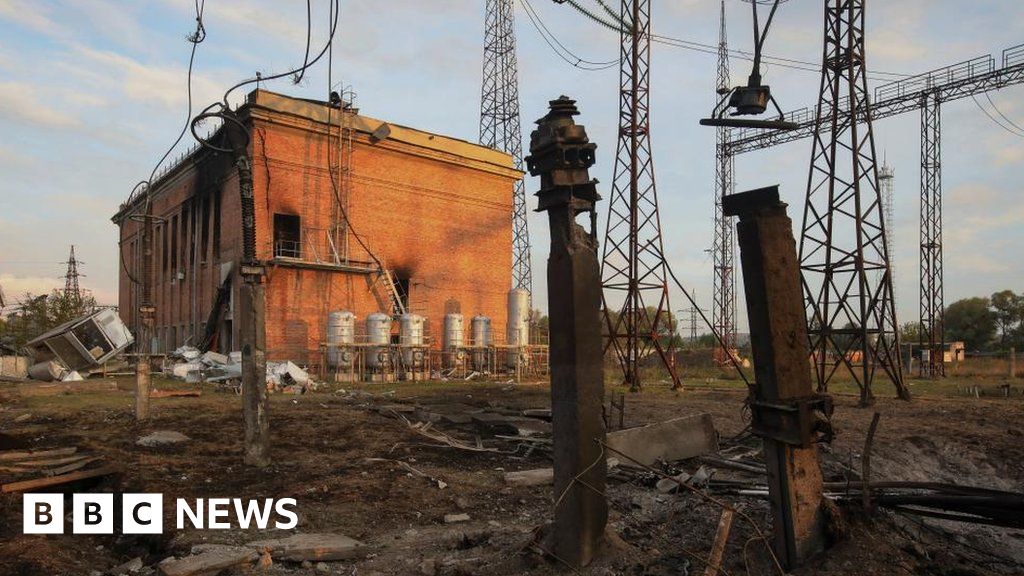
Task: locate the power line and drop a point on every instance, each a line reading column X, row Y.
column 994, row 119
column 309, row 36
column 791, row 63
column 1000, row 112
column 297, row 71
column 195, row 39
column 551, row 40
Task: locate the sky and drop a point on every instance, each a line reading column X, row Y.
column 92, row 92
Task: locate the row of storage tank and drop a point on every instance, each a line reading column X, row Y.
column 341, row 336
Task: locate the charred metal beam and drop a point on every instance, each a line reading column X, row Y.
column 787, row 414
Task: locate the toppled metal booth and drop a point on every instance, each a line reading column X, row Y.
column 84, row 342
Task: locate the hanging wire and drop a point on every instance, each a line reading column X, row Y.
column 196, row 38
column 341, row 136
column 619, row 26
column 309, row 36
column 994, row 119
column 552, row 41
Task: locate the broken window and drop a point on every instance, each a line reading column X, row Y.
column 287, row 236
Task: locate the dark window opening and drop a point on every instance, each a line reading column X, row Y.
column 216, row 224
column 287, row 236
column 204, row 221
column 174, row 247
column 163, row 246
column 188, row 234
column 402, row 287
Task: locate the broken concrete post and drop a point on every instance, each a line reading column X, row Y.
column 787, row 414
column 147, row 312
column 142, row 365
column 254, row 373
column 561, row 153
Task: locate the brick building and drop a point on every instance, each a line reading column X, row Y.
column 434, row 210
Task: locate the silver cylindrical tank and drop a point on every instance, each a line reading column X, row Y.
column 410, row 330
column 378, row 331
column 480, row 329
column 341, row 333
column 518, row 327
column 453, row 342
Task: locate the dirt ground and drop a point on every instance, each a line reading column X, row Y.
column 322, row 442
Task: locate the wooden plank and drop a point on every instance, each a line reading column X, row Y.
column 32, row 454
column 71, row 467
column 718, row 548
column 57, row 480
column 174, row 393
column 50, row 462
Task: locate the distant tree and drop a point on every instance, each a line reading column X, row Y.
column 910, row 332
column 667, row 331
column 707, row 341
column 1009, row 310
column 35, row 315
column 972, row 321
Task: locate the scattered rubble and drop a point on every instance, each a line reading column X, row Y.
column 312, row 548
column 208, row 559
column 189, row 364
column 130, row 567
column 456, row 518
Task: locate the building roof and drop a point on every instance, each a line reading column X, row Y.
column 260, row 100
column 319, row 111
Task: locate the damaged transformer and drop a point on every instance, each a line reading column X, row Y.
column 561, row 153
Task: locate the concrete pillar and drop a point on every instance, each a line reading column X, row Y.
column 560, row 153
column 252, row 337
column 786, row 411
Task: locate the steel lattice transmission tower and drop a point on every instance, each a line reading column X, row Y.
column 851, row 313
column 72, row 289
column 886, row 175
column 723, row 249
column 499, row 121
column 633, row 261
column 932, row 332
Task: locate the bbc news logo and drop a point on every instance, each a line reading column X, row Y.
column 144, row 514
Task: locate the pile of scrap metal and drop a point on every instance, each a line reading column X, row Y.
column 189, row 364
column 77, row 348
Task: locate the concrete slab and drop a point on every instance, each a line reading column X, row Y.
column 542, row 413
column 676, row 439
column 312, row 547
column 161, row 438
